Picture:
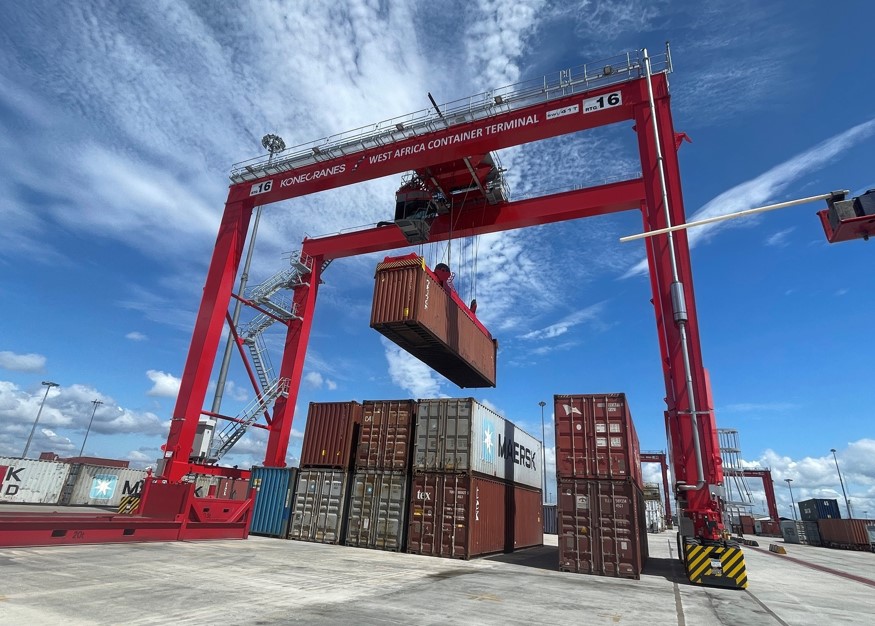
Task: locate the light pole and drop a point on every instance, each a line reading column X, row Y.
column 49, row 384
column 841, row 482
column 96, row 403
column 792, row 502
column 542, row 404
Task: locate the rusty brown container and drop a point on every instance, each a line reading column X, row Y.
column 232, row 489
column 413, row 310
column 602, row 527
column 463, row 516
column 596, row 438
column 385, row 440
column 330, row 435
column 747, row 524
column 848, row 534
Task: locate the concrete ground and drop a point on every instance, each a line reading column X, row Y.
column 269, row 581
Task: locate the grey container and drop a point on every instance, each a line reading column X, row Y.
column 462, row 435
column 378, row 510
column 31, row 481
column 319, row 512
column 551, row 520
column 101, row 486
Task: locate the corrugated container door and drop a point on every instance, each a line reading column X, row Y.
column 320, row 506
column 443, row 435
column 528, row 521
column 596, row 438
column 378, row 510
column 32, row 481
column 601, row 528
column 439, row 505
column 274, row 493
column 330, row 436
column 386, row 435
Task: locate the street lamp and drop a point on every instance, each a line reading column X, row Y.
column 792, row 502
column 96, row 403
column 542, row 404
column 49, row 384
column 841, row 482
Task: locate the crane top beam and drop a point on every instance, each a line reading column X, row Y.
column 576, row 99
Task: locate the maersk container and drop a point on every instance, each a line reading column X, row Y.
column 274, row 494
column 385, row 439
column 330, row 435
column 465, row 515
column 31, row 481
column 413, row 310
column 847, row 534
column 818, row 509
column 101, row 486
column 602, row 527
column 378, row 510
column 319, row 511
column 596, row 438
column 462, row 435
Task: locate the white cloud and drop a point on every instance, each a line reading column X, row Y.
column 766, row 187
column 330, row 384
column 779, row 239
column 22, row 362
column 588, row 314
column 411, row 374
column 842, row 292
column 136, row 336
column 164, row 385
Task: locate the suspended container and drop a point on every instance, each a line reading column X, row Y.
column 413, row 309
column 602, row 527
column 462, row 435
column 330, row 436
column 385, row 440
column 596, row 438
column 31, row 481
column 274, row 495
column 464, row 516
column 378, row 510
column 319, row 511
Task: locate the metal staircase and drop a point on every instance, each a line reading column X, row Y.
column 225, row 439
column 272, row 295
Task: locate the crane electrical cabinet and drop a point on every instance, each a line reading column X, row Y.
column 630, row 87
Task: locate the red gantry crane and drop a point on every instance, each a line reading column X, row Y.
column 448, row 148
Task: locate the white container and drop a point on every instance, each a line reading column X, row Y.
column 654, row 513
column 32, row 481
column 102, row 486
column 461, row 435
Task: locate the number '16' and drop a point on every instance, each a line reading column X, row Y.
column 613, row 100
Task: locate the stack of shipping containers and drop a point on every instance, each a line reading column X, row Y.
column 319, row 510
column 602, row 527
column 833, row 531
column 381, row 483
column 476, row 482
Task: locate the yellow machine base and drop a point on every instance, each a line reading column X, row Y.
column 715, row 565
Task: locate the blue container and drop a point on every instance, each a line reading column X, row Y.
column 275, row 492
column 551, row 522
column 819, row 508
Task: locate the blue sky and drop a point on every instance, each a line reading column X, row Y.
column 120, row 124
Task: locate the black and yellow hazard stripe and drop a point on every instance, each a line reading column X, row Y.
column 128, row 504
column 702, row 571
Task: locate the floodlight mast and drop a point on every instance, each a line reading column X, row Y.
column 577, row 99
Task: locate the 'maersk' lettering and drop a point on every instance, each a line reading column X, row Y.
column 521, row 455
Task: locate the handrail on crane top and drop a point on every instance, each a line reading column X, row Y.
column 610, row 71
